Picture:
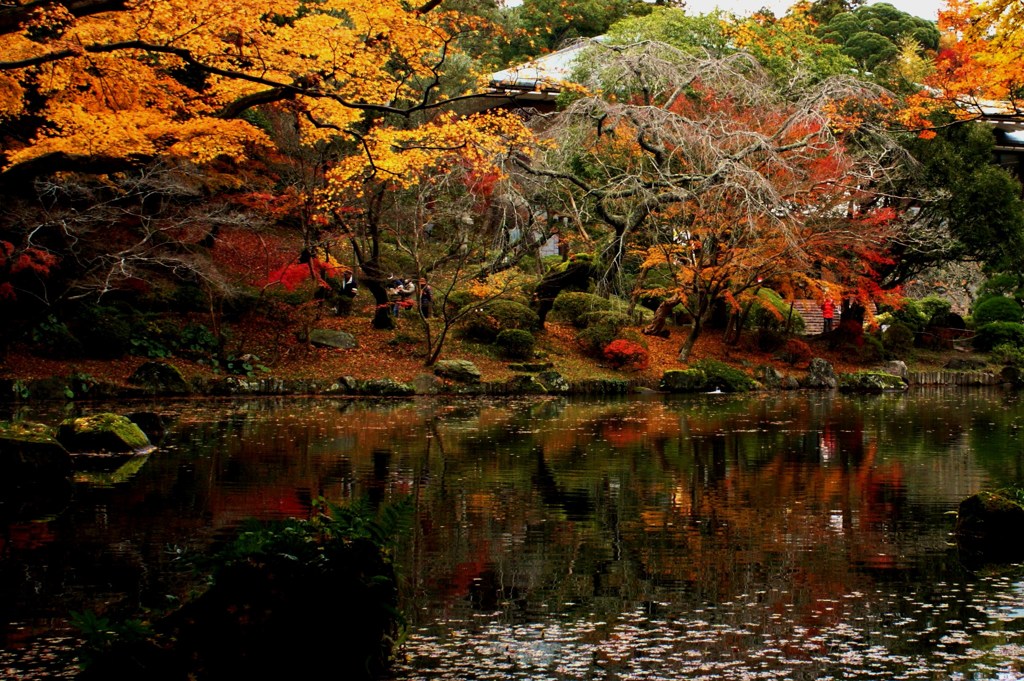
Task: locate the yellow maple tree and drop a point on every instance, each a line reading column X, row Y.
column 173, row 77
column 978, row 69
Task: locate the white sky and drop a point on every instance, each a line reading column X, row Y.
column 926, row 9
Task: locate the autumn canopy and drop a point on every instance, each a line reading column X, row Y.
column 696, row 158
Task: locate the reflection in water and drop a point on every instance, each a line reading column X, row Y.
column 792, row 536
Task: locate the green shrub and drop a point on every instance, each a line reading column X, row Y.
column 910, row 315
column 515, row 343
column 593, row 339
column 406, row 337
column 947, row 320
column 934, row 306
column 53, row 336
column 871, row 350
column 601, row 328
column 721, row 376
column 1009, row 355
column 102, row 331
column 457, row 300
column 573, row 306
column 191, row 298
column 898, row 340
column 994, row 334
column 635, row 336
column 513, row 315
column 770, row 311
column 1000, row 285
column 997, row 309
column 487, row 320
column 197, row 342
column 615, row 320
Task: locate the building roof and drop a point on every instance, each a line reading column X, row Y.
column 541, row 77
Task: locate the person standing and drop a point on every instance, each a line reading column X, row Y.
column 828, row 313
column 406, row 290
column 393, row 288
column 426, row 298
column 347, row 291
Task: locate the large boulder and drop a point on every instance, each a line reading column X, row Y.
column 525, row 384
column 966, row 364
column 897, row 367
column 531, row 367
column 600, row 386
column 154, row 425
column 384, row 387
column 820, row 374
column 35, row 469
column 870, row 382
column 553, row 381
column 329, row 338
column 428, row 384
column 707, row 376
column 770, row 377
column 160, row 378
column 103, row 432
column 992, row 523
column 459, row 370
column 683, row 381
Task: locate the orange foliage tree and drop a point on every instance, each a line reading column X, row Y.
column 171, row 78
column 286, row 87
column 700, row 164
column 978, row 68
column 421, row 188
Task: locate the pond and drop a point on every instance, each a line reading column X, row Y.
column 790, row 536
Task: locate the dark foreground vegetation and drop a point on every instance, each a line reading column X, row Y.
column 297, row 599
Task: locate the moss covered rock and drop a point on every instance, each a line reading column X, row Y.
column 30, row 456
column 384, row 387
column 525, row 384
column 820, row 374
column 553, row 381
column 160, row 378
column 992, row 523
column 870, row 382
column 103, row 432
column 331, row 338
column 460, row 370
column 600, row 386
column 683, row 381
column 707, row 376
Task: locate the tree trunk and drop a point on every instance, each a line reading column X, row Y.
column 382, row 318
column 691, row 339
column 573, row 274
column 657, row 325
column 736, row 323
column 637, row 288
column 851, row 325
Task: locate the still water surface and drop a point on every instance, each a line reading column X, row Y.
column 795, row 536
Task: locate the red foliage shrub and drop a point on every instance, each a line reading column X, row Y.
column 623, row 353
column 34, row 260
column 795, row 352
column 252, row 256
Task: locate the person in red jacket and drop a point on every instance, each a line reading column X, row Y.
column 828, row 313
